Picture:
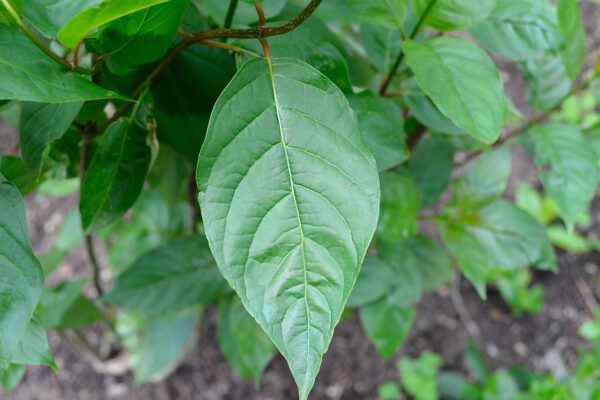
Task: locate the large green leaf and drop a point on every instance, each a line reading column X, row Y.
column 28, row 74
column 389, row 13
column 573, row 54
column 431, row 166
column 547, row 81
column 141, row 37
column 49, row 16
column 387, row 324
column 452, row 15
column 74, row 31
column 280, row 186
column 568, row 167
column 41, row 124
column 498, row 235
column 177, row 275
column 245, row 345
column 463, row 83
column 382, row 45
column 400, row 204
column 520, row 30
column 381, row 126
column 21, row 279
column 116, row 174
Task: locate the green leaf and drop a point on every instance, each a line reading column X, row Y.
column 572, row 242
column 141, row 37
column 16, row 172
column 388, row 13
column 33, row 348
column 245, row 345
column 64, row 307
column 169, row 278
column 547, row 81
column 381, row 126
column 573, row 54
column 22, row 276
column 376, row 279
column 382, row 45
column 462, row 82
column 419, row 377
column 475, row 362
column 116, row 175
column 28, row 74
column 12, row 376
column 431, row 166
column 74, row 31
column 400, row 204
column 41, row 124
column 431, row 261
column 279, row 188
column 520, row 30
column 49, row 16
column 387, row 324
column 423, row 109
column 484, row 180
column 499, row 235
column 568, row 168
column 454, row 15
column 6, row 17
column 157, row 343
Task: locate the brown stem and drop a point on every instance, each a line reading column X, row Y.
column 201, row 37
column 262, row 22
column 96, row 279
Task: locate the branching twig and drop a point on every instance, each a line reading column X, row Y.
column 415, row 31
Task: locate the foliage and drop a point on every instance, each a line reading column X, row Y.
column 285, row 172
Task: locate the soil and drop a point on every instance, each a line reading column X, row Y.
column 351, row 369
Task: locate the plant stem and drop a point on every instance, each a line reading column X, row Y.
column 202, row 37
column 262, row 22
column 529, row 123
column 91, row 252
column 38, row 42
column 230, row 13
column 415, row 31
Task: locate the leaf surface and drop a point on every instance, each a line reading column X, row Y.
column 453, row 15
column 389, row 13
column 49, row 16
column 463, row 83
column 573, row 54
column 279, row 188
column 28, row 74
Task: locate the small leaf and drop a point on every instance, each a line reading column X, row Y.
column 454, row 15
column 28, row 74
column 387, row 324
column 400, row 204
column 74, row 31
column 242, row 340
column 169, row 278
column 383, row 45
column 116, row 175
column 431, row 166
column 419, row 377
column 432, row 262
column 21, row 273
column 41, row 124
column 388, row 13
column 12, row 376
column 49, row 16
column 499, row 235
column 520, row 30
column 376, row 279
column 33, row 348
column 568, row 168
column 279, row 188
column 16, row 172
column 569, row 17
column 547, row 81
column 381, row 126
column 463, row 83
column 64, row 307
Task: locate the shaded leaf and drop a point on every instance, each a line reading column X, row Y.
column 383, row 45
column 388, row 13
column 33, row 348
column 49, row 16
column 431, row 166
column 376, row 279
column 547, row 81
column 400, row 204
column 279, row 189
column 16, row 172
column 569, row 17
column 453, row 15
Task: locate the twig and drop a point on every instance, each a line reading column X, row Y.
column 38, row 42
column 230, row 13
column 528, row 124
column 201, row 37
column 96, row 279
column 587, row 295
column 415, row 31
column 461, row 309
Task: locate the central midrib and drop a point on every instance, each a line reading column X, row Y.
column 293, row 191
